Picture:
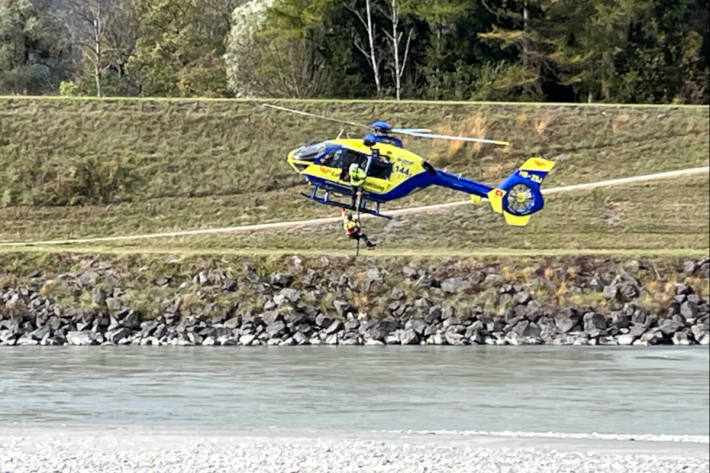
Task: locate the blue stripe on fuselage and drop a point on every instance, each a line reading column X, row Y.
column 419, row 181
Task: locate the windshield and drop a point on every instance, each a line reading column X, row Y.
column 311, row 151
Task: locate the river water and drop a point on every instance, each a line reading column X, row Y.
column 479, row 388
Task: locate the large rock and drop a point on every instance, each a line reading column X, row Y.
column 113, row 304
column 79, row 338
column 334, row 327
column 276, row 328
column 341, row 306
column 131, row 321
column 594, row 321
column 669, row 326
column 116, row 336
column 682, row 337
column 281, row 279
column 689, row 310
column 323, row 320
column 419, row 326
column 408, row 337
column 455, row 285
column 625, row 339
column 565, row 320
column 525, row 329
column 453, row 338
column 290, row 294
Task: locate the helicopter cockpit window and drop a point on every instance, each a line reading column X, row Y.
column 380, row 168
column 334, row 159
column 310, row 152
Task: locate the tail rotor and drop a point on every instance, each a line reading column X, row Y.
column 519, row 196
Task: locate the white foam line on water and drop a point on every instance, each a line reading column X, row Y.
column 564, row 435
column 327, row 220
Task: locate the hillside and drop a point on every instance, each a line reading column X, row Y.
column 84, row 167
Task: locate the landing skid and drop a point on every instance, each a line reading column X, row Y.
column 325, row 200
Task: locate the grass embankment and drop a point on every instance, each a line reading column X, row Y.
column 78, row 167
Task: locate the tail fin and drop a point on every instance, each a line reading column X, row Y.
column 519, row 196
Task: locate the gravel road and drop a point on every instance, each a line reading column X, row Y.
column 134, row 449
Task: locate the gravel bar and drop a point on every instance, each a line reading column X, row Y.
column 139, row 449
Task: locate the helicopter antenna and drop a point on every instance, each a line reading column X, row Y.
column 340, row 134
column 315, row 115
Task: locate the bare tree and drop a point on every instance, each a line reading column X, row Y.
column 395, row 39
column 88, row 22
column 370, row 30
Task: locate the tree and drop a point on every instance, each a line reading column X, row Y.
column 88, row 21
column 181, row 46
column 274, row 48
column 395, row 39
column 440, row 16
column 35, row 52
column 370, row 52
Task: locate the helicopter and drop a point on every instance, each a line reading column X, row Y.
column 392, row 172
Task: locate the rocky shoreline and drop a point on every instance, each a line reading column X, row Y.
column 315, row 303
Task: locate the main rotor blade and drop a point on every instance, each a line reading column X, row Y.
column 410, row 130
column 314, row 115
column 455, row 138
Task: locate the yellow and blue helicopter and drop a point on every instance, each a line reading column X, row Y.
column 393, row 172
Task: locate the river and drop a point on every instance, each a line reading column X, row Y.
column 478, row 388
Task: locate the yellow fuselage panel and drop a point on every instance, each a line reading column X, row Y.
column 405, row 165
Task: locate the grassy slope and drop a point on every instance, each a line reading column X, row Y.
column 193, row 164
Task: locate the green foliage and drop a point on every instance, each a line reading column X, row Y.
column 67, row 89
column 34, row 48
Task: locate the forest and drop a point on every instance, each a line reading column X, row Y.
column 618, row 51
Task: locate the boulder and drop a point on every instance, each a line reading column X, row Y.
column 300, row 338
column 334, row 327
column 669, row 326
column 232, row 323
column 113, row 304
column 565, row 320
column 625, row 339
column 79, row 338
column 697, row 330
column 682, row 337
column 246, row 339
column 594, row 321
column 341, row 306
column 453, row 338
column 276, row 328
column 455, row 285
column 323, row 320
column 98, row 295
column 290, row 294
column 281, row 279
column 689, row 310
column 408, row 337
column 117, row 335
column 525, row 328
column 419, row 326
column 88, row 278
column 396, row 294
column 131, row 321
column 610, row 292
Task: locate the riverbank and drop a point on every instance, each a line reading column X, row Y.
column 78, row 449
column 164, row 300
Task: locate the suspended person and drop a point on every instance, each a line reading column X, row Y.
column 354, row 229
